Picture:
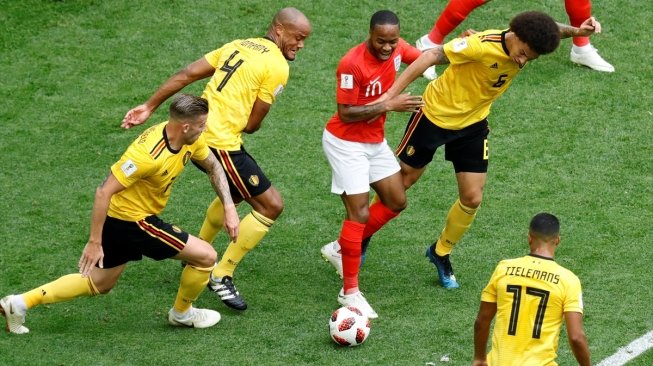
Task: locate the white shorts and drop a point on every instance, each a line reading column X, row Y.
column 355, row 165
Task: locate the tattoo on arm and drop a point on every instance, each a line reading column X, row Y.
column 441, row 58
column 566, row 31
column 218, row 179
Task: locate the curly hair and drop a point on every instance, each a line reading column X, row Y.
column 538, row 30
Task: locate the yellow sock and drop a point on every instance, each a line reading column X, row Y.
column 213, row 221
column 64, row 288
column 192, row 283
column 253, row 228
column 459, row 219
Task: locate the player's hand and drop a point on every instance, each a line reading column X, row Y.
column 405, row 103
column 467, row 33
column 231, row 222
column 91, row 255
column 589, row 27
column 136, row 116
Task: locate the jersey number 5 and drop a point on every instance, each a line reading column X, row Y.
column 500, row 81
column 229, row 69
column 516, row 302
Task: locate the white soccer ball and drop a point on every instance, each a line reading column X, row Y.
column 348, row 326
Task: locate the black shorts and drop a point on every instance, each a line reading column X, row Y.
column 246, row 178
column 125, row 241
column 467, row 149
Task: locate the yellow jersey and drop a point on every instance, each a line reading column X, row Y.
column 245, row 69
column 532, row 294
column 147, row 170
column 480, row 70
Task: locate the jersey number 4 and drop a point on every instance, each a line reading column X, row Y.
column 516, row 291
column 229, row 69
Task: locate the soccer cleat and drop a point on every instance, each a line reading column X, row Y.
column 227, row 292
column 591, row 59
column 195, row 318
column 13, row 316
column 358, row 301
column 423, row 44
column 445, row 271
column 331, row 254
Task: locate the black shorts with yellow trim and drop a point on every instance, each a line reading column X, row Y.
column 467, row 148
column 125, row 241
column 246, row 178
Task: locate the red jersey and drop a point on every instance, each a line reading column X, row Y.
column 361, row 79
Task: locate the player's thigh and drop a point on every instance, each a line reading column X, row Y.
column 469, row 152
column 470, row 188
column 420, row 141
column 391, row 192
column 350, row 165
column 357, row 206
column 197, row 253
column 246, row 178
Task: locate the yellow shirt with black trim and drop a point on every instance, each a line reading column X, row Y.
column 532, row 294
column 245, row 69
column 480, row 71
column 147, row 170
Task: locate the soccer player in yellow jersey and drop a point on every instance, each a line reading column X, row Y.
column 246, row 76
column 456, row 106
column 530, row 296
column 125, row 225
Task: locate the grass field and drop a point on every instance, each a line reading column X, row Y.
column 564, row 139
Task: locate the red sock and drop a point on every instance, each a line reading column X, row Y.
column 453, row 14
column 380, row 214
column 578, row 11
column 350, row 239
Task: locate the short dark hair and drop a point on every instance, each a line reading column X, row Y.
column 188, row 107
column 383, row 17
column 538, row 30
column 545, row 225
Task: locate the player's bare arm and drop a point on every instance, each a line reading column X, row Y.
column 260, row 109
column 399, row 103
column 577, row 338
column 434, row 56
column 93, row 253
column 220, row 185
column 587, row 28
column 197, row 70
column 484, row 318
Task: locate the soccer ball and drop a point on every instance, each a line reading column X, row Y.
column 348, row 326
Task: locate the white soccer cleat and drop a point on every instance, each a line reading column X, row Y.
column 591, row 59
column 423, row 44
column 194, row 318
column 358, row 301
column 331, row 253
column 14, row 317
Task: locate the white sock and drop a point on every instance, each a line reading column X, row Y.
column 582, row 49
column 427, row 43
column 19, row 304
column 181, row 316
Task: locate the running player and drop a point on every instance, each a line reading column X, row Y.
column 246, row 76
column 125, row 225
column 354, row 143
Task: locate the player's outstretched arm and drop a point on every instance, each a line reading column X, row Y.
column 93, row 253
column 197, row 70
column 577, row 339
column 434, row 56
column 486, row 313
column 220, row 185
column 586, row 29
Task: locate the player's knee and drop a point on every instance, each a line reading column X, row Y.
column 206, row 258
column 104, row 287
column 471, row 200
